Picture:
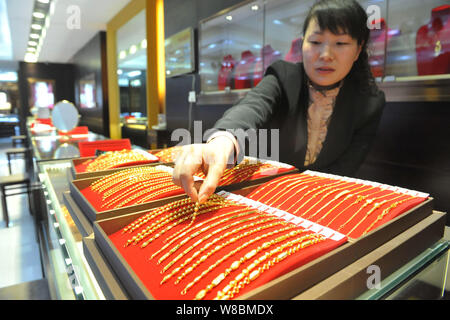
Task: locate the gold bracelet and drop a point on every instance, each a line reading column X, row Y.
column 236, row 214
column 308, row 192
column 167, row 188
column 326, row 188
column 276, row 182
column 344, row 192
column 178, row 205
column 134, row 195
column 248, row 255
column 185, row 230
column 338, row 204
column 237, row 263
column 189, row 249
column 385, row 212
column 224, row 244
column 286, row 189
column 376, row 205
column 247, row 275
column 170, row 227
column 125, row 183
column 368, row 201
column 106, row 182
column 161, row 222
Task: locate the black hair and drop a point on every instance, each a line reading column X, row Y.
column 346, row 16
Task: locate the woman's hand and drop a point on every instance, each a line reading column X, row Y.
column 212, row 157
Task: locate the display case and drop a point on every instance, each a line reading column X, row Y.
column 409, row 47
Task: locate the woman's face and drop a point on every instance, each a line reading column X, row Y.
column 328, row 57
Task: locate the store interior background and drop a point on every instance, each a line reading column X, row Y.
column 411, row 150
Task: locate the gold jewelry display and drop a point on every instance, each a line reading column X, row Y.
column 247, row 275
column 237, row 263
column 276, row 182
column 323, row 189
column 230, row 241
column 182, row 254
column 385, row 212
column 286, row 189
column 342, row 193
column 376, row 205
column 187, row 229
column 250, row 254
column 111, row 159
column 368, row 201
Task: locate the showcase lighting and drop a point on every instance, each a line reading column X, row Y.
column 38, row 15
column 30, row 57
column 36, row 27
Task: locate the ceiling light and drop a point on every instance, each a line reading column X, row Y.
column 229, row 18
column 34, row 36
column 122, row 54
column 255, row 7
column 30, row 49
column 43, row 1
column 134, row 74
column 38, row 15
column 119, row 72
column 36, row 27
column 30, row 57
column 32, row 43
column 144, row 44
column 133, row 49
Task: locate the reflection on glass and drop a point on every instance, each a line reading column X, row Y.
column 132, row 67
column 87, row 92
column 419, row 43
column 41, row 93
column 179, row 50
column 230, row 46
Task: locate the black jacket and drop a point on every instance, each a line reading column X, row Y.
column 280, row 101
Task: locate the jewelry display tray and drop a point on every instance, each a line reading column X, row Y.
column 84, row 175
column 84, row 214
column 101, row 250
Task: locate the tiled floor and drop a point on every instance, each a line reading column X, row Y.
column 19, row 251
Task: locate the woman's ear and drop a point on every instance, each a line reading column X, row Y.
column 358, row 52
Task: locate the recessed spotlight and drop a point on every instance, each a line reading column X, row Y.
column 122, row 54
column 133, row 49
column 32, row 43
column 44, row 1
column 30, row 49
column 255, row 7
column 34, row 36
column 36, row 27
column 229, row 18
column 30, row 57
column 38, row 15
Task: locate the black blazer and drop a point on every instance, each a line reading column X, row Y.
column 280, row 101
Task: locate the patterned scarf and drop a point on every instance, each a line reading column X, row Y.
column 321, row 105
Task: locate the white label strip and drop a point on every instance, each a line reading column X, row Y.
column 326, row 232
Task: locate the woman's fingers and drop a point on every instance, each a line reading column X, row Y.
column 186, row 165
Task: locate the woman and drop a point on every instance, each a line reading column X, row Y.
column 327, row 108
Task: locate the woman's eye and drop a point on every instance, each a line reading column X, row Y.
column 341, row 43
column 314, row 42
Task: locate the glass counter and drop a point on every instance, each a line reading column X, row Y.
column 70, row 272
